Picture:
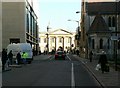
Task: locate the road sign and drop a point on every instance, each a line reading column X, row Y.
column 114, row 37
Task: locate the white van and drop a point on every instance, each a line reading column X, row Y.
column 21, row 47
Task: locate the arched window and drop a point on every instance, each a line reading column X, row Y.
column 109, row 21
column 113, row 21
column 101, row 43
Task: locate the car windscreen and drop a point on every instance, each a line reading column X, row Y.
column 60, row 53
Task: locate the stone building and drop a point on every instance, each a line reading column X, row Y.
column 19, row 24
column 0, row 27
column 52, row 40
column 101, row 24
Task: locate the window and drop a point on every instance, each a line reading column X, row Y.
column 69, row 39
column 113, row 21
column 108, row 44
column 39, row 40
column 119, row 44
column 101, row 43
column 53, row 40
column 14, row 40
column 45, row 40
column 27, row 20
column 60, row 40
column 109, row 21
column 93, row 44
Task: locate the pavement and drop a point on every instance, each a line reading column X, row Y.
column 107, row 79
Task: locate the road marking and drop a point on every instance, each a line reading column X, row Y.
column 72, row 76
column 68, row 58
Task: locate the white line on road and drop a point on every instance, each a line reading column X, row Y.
column 68, row 58
column 72, row 76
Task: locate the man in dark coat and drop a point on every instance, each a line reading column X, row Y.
column 10, row 56
column 4, row 58
column 18, row 58
column 103, row 61
column 90, row 56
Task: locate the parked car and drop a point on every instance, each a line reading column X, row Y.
column 60, row 55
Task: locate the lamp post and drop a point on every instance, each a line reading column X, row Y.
column 47, row 40
column 78, row 22
column 75, row 21
column 78, row 30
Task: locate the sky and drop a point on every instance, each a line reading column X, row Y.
column 56, row 13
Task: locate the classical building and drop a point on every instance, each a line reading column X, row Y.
column 101, row 25
column 52, row 40
column 19, row 23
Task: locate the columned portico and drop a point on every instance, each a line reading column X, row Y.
column 58, row 38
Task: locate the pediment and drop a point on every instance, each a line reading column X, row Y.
column 61, row 32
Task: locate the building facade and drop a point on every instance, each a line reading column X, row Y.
column 0, row 27
column 101, row 23
column 19, row 24
column 52, row 40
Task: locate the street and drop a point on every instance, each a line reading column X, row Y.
column 46, row 71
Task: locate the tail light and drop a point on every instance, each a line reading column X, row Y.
column 56, row 55
column 63, row 55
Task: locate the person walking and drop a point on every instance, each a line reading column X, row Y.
column 90, row 56
column 103, row 61
column 77, row 51
column 10, row 57
column 4, row 58
column 18, row 58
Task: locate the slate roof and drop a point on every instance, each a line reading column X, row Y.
column 99, row 25
column 103, row 8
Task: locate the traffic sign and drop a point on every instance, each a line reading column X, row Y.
column 114, row 37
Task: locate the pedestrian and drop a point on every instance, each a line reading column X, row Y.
column 24, row 56
column 18, row 58
column 4, row 58
column 77, row 51
column 10, row 57
column 39, row 52
column 90, row 56
column 103, row 61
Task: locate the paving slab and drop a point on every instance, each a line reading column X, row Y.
column 107, row 79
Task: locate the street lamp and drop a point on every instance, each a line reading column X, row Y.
column 47, row 40
column 77, row 11
column 75, row 21
column 78, row 30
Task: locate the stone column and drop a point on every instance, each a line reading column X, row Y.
column 55, row 43
column 63, row 43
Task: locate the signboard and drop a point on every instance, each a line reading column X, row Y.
column 114, row 37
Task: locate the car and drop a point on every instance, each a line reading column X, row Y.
column 60, row 55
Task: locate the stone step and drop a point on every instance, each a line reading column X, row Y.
column 16, row 66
